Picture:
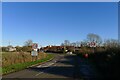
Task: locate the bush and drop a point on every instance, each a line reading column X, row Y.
column 108, row 61
column 26, row 48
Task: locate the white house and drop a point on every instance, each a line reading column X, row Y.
column 10, row 48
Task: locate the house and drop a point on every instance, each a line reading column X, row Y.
column 10, row 48
column 58, row 48
column 53, row 48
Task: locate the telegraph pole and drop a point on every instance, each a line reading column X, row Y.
column 9, row 42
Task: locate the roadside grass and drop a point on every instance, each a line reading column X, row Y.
column 10, row 58
column 21, row 66
column 0, row 71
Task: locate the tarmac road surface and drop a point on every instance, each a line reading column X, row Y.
column 62, row 66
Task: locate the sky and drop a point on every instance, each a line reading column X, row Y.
column 60, row 0
column 0, row 23
column 50, row 23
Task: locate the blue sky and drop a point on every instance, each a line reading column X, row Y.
column 52, row 23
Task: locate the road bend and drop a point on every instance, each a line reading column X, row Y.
column 62, row 66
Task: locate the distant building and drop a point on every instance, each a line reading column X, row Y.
column 10, row 48
column 58, row 48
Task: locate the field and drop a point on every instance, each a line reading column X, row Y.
column 14, row 61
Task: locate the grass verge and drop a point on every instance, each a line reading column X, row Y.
column 21, row 66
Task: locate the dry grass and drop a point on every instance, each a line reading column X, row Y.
column 10, row 58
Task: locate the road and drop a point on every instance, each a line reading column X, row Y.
column 63, row 66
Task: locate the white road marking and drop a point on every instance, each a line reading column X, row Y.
column 39, row 66
column 39, row 73
column 45, row 69
column 47, row 65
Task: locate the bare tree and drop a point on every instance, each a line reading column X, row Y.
column 78, row 44
column 83, row 43
column 94, row 37
column 66, row 43
column 111, row 43
column 62, row 44
column 28, row 43
column 73, row 44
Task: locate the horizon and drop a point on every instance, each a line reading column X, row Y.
column 52, row 23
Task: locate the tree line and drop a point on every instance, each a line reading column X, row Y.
column 91, row 37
